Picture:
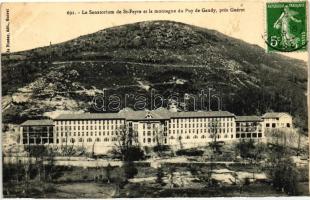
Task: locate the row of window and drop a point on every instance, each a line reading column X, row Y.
column 248, row 124
column 147, row 126
column 38, row 141
column 38, row 129
column 73, row 140
column 201, row 137
column 274, row 125
column 201, row 119
column 63, row 134
column 248, row 129
column 149, row 140
column 69, row 128
column 200, row 131
column 74, row 122
column 201, row 125
column 248, row 135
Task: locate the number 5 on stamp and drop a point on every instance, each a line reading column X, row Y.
column 286, row 26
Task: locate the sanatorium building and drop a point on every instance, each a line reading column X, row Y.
column 100, row 131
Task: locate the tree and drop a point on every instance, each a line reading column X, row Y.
column 68, row 150
column 159, row 148
column 38, row 152
column 108, row 172
column 246, row 148
column 130, row 170
column 159, row 176
column 50, row 167
column 214, row 144
column 127, row 146
column 215, row 147
column 284, row 176
column 171, row 176
column 281, row 170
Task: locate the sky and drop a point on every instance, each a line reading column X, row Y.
column 34, row 25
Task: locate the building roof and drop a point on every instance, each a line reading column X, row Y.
column 274, row 114
column 89, row 116
column 159, row 114
column 38, row 123
column 251, row 118
column 202, row 114
column 146, row 115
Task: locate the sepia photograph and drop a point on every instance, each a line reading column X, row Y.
column 155, row 99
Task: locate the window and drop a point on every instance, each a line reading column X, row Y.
column 149, row 140
column 135, row 126
column 288, row 125
column 267, row 125
column 81, row 140
column 89, row 140
column 97, row 139
column 72, row 140
column 259, row 134
column 273, row 125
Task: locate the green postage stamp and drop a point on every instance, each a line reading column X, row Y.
column 286, row 26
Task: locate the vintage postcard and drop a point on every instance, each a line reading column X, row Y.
column 155, row 99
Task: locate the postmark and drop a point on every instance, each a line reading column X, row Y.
column 286, row 26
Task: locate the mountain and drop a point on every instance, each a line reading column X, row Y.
column 165, row 56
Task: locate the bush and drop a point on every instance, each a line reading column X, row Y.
column 285, row 177
column 133, row 154
column 160, row 148
column 189, row 152
column 143, row 164
column 130, row 170
column 49, row 188
column 194, row 169
column 85, row 177
column 159, row 176
column 247, row 181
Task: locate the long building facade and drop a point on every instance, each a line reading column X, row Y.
column 100, row 132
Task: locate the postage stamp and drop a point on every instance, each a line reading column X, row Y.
column 286, row 26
